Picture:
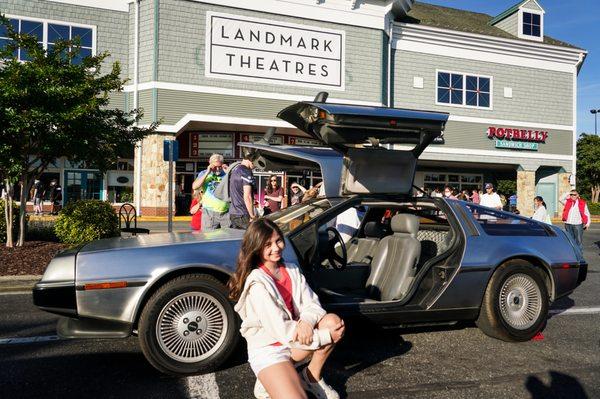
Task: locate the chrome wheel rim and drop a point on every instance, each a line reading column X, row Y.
column 520, row 301
column 191, row 327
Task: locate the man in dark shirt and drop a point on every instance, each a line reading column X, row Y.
column 241, row 185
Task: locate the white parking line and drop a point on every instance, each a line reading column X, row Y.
column 576, row 310
column 28, row 340
column 15, row 293
column 202, row 386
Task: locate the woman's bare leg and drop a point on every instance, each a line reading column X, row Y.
column 315, row 367
column 282, row 381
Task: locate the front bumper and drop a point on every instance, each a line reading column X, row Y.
column 56, row 298
column 583, row 270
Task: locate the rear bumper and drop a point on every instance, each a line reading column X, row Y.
column 56, row 298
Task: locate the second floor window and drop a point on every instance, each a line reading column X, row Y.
column 532, row 24
column 48, row 34
column 463, row 90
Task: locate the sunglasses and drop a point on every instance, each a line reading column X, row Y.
column 275, row 180
column 573, row 195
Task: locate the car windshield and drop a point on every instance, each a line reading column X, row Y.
column 290, row 219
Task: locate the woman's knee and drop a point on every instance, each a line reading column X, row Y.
column 330, row 321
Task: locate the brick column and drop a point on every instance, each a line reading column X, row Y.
column 525, row 191
column 563, row 187
column 155, row 174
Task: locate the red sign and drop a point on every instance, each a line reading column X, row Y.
column 507, row 133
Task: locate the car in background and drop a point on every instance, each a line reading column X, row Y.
column 406, row 260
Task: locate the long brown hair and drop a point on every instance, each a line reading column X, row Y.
column 256, row 237
column 270, row 188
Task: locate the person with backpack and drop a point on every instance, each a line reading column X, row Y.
column 214, row 210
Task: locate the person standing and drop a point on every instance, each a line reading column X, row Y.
column 576, row 216
column 196, row 211
column 214, row 211
column 241, row 186
column 273, row 195
column 490, row 199
column 38, row 197
column 512, row 201
column 283, row 321
column 449, row 193
column 297, row 193
column 475, row 196
column 55, row 197
column 541, row 212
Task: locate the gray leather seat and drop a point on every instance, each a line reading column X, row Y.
column 360, row 250
column 395, row 260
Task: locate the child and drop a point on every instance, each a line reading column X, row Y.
column 196, row 211
column 282, row 319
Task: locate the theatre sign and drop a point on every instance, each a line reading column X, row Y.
column 261, row 50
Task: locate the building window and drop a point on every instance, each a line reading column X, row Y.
column 48, row 34
column 532, row 24
column 456, row 181
column 463, row 90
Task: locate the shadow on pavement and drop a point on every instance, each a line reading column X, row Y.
column 561, row 386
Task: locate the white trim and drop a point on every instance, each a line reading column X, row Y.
column 464, row 89
column 488, row 121
column 470, row 46
column 495, row 153
column 368, row 15
column 520, row 33
column 238, row 92
column 176, row 128
column 114, row 5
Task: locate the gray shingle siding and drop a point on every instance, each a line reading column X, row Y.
column 182, row 52
column 510, row 24
column 539, row 96
column 111, row 26
column 530, row 5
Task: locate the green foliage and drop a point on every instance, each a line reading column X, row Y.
column 594, row 208
column 52, row 106
column 41, row 230
column 507, row 187
column 588, row 166
column 83, row 221
column 3, row 219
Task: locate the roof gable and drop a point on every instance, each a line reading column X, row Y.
column 528, row 4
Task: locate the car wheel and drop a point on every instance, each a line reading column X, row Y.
column 515, row 305
column 188, row 326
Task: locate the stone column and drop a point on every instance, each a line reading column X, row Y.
column 155, row 174
column 563, row 187
column 525, row 191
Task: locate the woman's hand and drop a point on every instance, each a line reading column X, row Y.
column 303, row 333
column 337, row 333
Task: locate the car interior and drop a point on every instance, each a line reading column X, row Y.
column 393, row 247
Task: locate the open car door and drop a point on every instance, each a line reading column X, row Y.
column 380, row 146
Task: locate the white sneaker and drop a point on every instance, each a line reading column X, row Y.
column 320, row 389
column 259, row 390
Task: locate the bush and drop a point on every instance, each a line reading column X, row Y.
column 15, row 221
column 506, row 187
column 83, row 221
column 41, row 230
column 594, row 208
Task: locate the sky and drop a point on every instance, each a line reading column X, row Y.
column 573, row 21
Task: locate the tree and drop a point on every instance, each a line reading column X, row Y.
column 588, row 165
column 55, row 105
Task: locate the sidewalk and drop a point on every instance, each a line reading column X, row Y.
column 17, row 283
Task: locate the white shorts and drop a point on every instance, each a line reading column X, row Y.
column 260, row 358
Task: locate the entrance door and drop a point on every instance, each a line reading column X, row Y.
column 548, row 192
column 82, row 185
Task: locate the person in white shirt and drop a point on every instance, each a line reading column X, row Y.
column 541, row 213
column 576, row 216
column 490, row 198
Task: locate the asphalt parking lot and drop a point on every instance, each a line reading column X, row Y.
column 445, row 362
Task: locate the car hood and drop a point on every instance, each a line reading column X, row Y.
column 156, row 240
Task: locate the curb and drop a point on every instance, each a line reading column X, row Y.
column 18, row 283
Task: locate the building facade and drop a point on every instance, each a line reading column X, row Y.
column 215, row 73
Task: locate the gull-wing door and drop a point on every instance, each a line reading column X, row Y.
column 297, row 158
column 380, row 146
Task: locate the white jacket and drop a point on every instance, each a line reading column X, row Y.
column 266, row 319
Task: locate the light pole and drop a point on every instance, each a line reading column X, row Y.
column 595, row 112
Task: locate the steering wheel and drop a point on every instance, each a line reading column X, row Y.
column 336, row 260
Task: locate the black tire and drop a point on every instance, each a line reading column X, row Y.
column 495, row 318
column 197, row 287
